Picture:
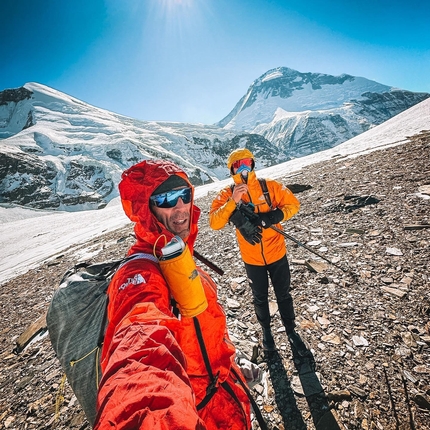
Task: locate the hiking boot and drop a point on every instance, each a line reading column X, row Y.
column 297, row 343
column 268, row 342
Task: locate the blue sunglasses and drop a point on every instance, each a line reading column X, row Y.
column 170, row 199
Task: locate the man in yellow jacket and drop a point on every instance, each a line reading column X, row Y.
column 262, row 249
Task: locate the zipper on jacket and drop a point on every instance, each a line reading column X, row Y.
column 261, row 243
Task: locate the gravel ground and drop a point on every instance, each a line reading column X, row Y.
column 365, row 319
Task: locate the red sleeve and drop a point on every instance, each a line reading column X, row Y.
column 144, row 383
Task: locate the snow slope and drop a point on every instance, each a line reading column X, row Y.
column 28, row 237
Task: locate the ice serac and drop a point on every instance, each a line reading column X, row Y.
column 57, row 152
column 304, row 113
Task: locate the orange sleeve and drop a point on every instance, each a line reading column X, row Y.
column 222, row 208
column 283, row 199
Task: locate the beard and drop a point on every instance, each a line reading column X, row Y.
column 179, row 224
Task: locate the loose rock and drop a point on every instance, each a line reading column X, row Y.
column 367, row 329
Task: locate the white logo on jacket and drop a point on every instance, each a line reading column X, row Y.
column 136, row 280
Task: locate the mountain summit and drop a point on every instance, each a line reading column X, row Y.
column 303, row 113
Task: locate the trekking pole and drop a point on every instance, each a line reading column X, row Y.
column 248, row 211
column 208, row 263
column 306, row 247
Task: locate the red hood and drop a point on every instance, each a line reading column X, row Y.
column 137, row 184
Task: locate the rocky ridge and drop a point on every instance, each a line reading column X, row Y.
column 366, row 324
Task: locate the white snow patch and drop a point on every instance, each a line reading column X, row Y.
column 274, row 75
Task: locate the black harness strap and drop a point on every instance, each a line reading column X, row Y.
column 213, row 388
column 230, row 391
column 266, row 193
column 254, row 405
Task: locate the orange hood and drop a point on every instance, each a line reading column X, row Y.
column 137, row 184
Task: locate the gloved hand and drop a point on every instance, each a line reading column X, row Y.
column 250, row 232
column 266, row 219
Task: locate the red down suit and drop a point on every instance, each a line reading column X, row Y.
column 154, row 373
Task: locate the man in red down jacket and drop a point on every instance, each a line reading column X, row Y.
column 154, row 370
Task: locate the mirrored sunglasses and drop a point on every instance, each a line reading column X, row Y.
column 241, row 165
column 170, row 199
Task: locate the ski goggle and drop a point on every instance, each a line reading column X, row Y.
column 241, row 165
column 170, row 199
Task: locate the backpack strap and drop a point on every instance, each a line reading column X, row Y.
column 213, row 388
column 137, row 256
column 255, row 408
column 265, row 190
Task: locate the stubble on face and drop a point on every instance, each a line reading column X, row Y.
column 176, row 219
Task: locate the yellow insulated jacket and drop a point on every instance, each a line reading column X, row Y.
column 272, row 246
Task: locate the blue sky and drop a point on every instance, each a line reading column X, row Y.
column 192, row 60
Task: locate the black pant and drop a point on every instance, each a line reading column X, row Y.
column 279, row 272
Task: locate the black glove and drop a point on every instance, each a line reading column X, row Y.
column 250, row 232
column 247, row 210
column 266, row 219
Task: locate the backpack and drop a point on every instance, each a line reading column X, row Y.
column 77, row 320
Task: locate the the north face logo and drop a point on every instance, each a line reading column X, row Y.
column 193, row 275
column 136, row 280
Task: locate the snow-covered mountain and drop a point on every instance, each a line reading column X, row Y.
column 58, row 152
column 303, row 113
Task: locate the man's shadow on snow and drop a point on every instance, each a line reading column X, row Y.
column 319, row 408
